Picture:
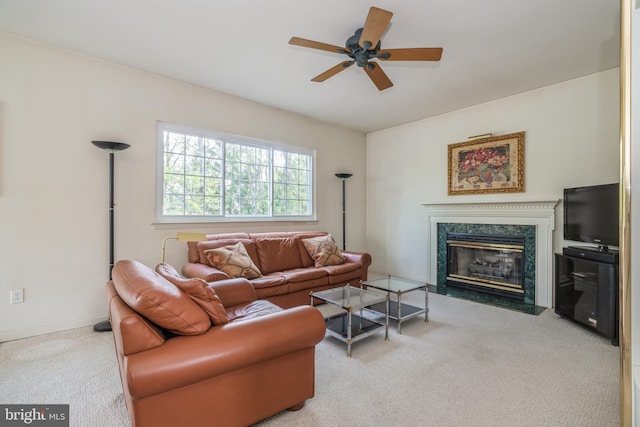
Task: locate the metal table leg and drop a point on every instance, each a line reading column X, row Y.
column 426, row 303
column 399, row 312
column 349, row 341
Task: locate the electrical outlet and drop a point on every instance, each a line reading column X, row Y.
column 16, row 296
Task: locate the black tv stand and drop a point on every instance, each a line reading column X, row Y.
column 586, row 289
column 599, row 248
column 592, row 253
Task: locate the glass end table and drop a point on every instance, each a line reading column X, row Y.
column 397, row 310
column 352, row 317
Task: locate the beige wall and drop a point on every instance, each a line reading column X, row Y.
column 54, row 183
column 571, row 139
column 54, row 189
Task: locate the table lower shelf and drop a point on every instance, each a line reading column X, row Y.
column 408, row 311
column 337, row 326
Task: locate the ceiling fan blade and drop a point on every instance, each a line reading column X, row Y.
column 332, row 71
column 377, row 21
column 297, row 41
column 377, row 76
column 411, row 54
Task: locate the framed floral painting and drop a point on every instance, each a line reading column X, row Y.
column 487, row 165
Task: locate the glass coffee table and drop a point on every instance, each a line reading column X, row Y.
column 396, row 309
column 348, row 313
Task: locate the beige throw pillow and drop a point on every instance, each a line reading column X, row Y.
column 323, row 250
column 234, row 261
column 199, row 291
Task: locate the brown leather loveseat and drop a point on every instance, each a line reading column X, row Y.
column 283, row 267
column 193, row 355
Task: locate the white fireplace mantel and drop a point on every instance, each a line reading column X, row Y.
column 540, row 213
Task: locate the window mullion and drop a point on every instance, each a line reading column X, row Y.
column 271, row 178
column 224, row 179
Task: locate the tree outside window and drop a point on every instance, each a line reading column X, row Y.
column 206, row 176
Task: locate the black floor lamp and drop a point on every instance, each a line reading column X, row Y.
column 111, row 148
column 343, row 177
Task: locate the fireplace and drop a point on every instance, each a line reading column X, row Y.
column 488, row 263
column 532, row 218
column 470, row 251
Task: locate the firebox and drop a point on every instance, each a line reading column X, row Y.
column 488, row 263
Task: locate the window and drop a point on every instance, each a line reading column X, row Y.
column 207, row 176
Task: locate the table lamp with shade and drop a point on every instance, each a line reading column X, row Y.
column 183, row 237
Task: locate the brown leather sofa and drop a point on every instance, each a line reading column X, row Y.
column 180, row 367
column 288, row 272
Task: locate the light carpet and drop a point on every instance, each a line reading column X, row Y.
column 470, row 365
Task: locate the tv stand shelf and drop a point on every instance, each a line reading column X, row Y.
column 590, row 253
column 586, row 289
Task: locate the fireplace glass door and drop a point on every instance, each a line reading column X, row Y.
column 486, row 263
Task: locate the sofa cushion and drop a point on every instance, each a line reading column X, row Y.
column 347, row 272
column 308, row 284
column 234, row 261
column 304, row 274
column 252, row 310
column 249, row 245
column 270, row 281
column 157, row 299
column 199, row 291
column 323, row 250
column 278, row 254
column 271, row 285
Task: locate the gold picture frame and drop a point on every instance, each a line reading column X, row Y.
column 487, row 165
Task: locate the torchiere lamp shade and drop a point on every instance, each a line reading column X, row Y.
column 111, row 145
column 344, row 175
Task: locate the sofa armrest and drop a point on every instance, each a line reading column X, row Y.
column 203, row 271
column 186, row 360
column 131, row 331
column 234, row 292
column 358, row 257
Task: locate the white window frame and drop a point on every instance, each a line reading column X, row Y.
column 236, row 139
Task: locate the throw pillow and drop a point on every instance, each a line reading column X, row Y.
column 234, row 261
column 323, row 250
column 199, row 291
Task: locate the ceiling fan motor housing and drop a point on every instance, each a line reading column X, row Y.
column 359, row 54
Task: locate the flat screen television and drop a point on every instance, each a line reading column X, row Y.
column 591, row 215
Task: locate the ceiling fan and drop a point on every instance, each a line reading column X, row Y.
column 364, row 46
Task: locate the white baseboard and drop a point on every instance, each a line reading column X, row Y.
column 17, row 334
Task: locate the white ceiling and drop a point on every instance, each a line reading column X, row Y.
column 492, row 48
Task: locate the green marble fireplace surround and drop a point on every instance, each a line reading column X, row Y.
column 533, row 219
column 529, row 259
